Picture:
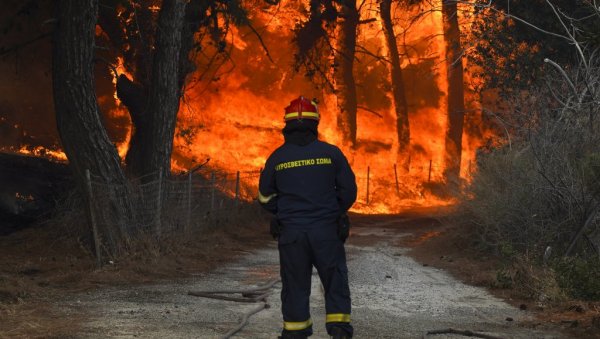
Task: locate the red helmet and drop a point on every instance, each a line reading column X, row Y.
column 302, row 108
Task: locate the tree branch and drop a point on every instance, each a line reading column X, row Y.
column 370, row 111
column 516, row 18
column 588, row 221
column 262, row 43
column 5, row 51
column 367, row 52
column 366, row 21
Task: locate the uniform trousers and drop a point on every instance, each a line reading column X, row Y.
column 299, row 250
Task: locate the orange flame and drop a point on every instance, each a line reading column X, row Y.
column 237, row 120
column 43, row 152
column 120, row 110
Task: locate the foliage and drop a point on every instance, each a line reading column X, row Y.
column 529, row 280
column 511, row 44
column 312, row 38
column 129, row 28
column 538, row 195
column 579, row 277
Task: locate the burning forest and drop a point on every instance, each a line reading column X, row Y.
column 133, row 132
column 380, row 71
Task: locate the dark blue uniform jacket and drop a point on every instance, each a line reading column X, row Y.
column 307, row 186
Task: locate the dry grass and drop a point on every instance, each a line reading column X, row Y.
column 49, row 262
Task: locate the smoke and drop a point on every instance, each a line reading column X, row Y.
column 25, row 88
column 27, row 117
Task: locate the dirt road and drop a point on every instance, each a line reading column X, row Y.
column 393, row 297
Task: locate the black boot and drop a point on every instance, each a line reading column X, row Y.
column 338, row 333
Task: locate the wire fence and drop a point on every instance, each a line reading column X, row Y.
column 161, row 205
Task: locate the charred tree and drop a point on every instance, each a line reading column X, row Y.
column 153, row 103
column 344, row 83
column 337, row 22
column 83, row 137
column 398, row 93
column 153, row 100
column 82, row 134
column 456, row 100
column 164, row 94
column 157, row 52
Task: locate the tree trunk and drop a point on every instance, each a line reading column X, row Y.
column 152, row 98
column 133, row 96
column 345, row 88
column 82, row 134
column 164, row 93
column 83, row 137
column 400, row 105
column 456, row 101
column 195, row 15
column 153, row 102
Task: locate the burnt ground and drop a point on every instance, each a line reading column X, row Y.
column 49, row 287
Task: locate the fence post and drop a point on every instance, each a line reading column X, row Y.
column 159, row 202
column 237, row 189
column 93, row 219
column 396, row 176
column 368, row 178
column 189, row 203
column 212, row 192
column 429, row 175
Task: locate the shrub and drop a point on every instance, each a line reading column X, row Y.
column 539, row 192
column 579, row 278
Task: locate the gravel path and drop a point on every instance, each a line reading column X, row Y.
column 393, row 297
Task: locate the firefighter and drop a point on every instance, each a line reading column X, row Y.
column 309, row 186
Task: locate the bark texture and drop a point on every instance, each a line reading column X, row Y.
column 82, row 134
column 164, row 94
column 456, row 100
column 152, row 98
column 398, row 93
column 345, row 86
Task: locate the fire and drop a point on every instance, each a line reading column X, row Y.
column 119, row 69
column 43, row 152
column 120, row 111
column 237, row 120
column 233, row 114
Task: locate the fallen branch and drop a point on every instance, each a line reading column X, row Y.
column 243, row 299
column 257, row 294
column 258, row 289
column 244, row 320
column 465, row 333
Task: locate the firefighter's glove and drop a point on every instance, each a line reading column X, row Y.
column 343, row 229
column 275, row 228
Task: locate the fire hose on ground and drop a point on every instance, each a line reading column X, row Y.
column 465, row 333
column 252, row 295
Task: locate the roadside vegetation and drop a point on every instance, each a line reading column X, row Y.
column 534, row 199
